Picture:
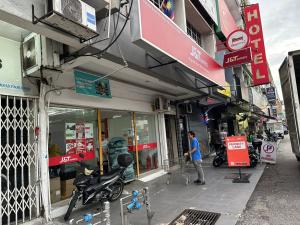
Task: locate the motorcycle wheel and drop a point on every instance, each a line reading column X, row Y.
column 253, row 161
column 71, row 205
column 217, row 162
column 117, row 190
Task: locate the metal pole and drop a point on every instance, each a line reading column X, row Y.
column 122, row 212
column 148, row 206
column 100, row 141
column 107, row 213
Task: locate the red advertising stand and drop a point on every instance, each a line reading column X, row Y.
column 238, row 156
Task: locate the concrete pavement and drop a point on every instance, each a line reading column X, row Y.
column 167, row 201
column 276, row 199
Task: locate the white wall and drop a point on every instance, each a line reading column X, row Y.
column 124, row 97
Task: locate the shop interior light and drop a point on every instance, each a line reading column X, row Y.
column 116, row 116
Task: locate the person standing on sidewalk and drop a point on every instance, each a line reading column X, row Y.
column 196, row 157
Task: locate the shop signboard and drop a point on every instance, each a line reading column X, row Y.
column 89, row 84
column 141, row 147
column 237, row 58
column 237, row 40
column 79, row 139
column 161, row 34
column 225, row 20
column 226, row 91
column 268, row 152
column 259, row 65
column 11, row 78
column 237, row 151
column 211, row 9
column 271, row 95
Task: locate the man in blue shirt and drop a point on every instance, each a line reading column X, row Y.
column 196, row 157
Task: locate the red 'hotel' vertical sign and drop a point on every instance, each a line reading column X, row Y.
column 254, row 30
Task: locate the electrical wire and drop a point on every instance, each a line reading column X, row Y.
column 98, row 41
column 101, row 52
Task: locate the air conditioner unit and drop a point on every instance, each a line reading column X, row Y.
column 73, row 16
column 162, row 104
column 39, row 51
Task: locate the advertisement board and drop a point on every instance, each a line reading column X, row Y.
column 79, row 138
column 270, row 93
column 268, row 152
column 259, row 65
column 161, row 34
column 89, row 84
column 237, row 151
column 237, row 58
column 237, row 40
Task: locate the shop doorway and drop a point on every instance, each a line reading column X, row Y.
column 171, row 139
column 18, row 162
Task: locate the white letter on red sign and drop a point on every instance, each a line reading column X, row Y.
column 254, row 14
column 258, row 75
column 254, row 32
column 258, row 58
column 255, row 41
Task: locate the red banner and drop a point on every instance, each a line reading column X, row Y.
column 151, row 29
column 227, row 22
column 237, row 151
column 236, row 58
column 142, row 147
column 70, row 158
column 254, row 30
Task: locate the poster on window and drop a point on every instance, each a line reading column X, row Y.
column 79, row 139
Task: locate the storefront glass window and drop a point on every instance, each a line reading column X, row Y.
column 147, row 142
column 117, row 132
column 71, row 131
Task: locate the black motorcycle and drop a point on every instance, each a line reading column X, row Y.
column 221, row 157
column 91, row 186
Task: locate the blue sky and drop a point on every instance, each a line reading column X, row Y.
column 281, row 26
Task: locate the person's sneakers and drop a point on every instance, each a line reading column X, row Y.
column 197, row 182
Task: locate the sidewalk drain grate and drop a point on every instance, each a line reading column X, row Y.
column 196, row 217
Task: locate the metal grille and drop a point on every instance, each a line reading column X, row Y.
column 157, row 3
column 193, row 33
column 196, row 217
column 18, row 163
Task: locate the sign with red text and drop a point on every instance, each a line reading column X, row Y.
column 226, row 21
column 237, row 151
column 141, row 147
column 79, row 139
column 268, row 152
column 237, row 40
column 154, row 31
column 259, row 65
column 237, row 58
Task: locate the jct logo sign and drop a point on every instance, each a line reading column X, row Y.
column 254, row 30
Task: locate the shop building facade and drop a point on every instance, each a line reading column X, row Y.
column 160, row 78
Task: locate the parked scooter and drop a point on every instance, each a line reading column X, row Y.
column 91, row 186
column 221, row 157
column 272, row 137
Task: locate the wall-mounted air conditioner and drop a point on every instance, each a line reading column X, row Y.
column 37, row 52
column 73, row 16
column 162, row 104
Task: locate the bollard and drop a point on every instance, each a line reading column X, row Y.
column 107, row 213
column 150, row 214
